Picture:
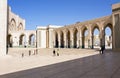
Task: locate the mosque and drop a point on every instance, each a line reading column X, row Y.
column 13, row 31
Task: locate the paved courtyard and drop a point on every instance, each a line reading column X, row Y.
column 71, row 63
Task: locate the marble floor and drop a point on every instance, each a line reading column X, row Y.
column 95, row 65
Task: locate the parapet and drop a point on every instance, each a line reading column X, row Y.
column 116, row 7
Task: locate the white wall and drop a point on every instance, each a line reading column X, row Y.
column 43, row 38
column 3, row 26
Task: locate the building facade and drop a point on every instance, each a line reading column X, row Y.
column 17, row 35
column 69, row 36
column 73, row 36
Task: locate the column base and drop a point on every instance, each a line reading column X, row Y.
column 82, row 46
column 92, row 47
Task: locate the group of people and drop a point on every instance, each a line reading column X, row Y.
column 56, row 53
column 31, row 52
column 34, row 52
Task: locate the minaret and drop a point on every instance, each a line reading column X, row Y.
column 3, row 27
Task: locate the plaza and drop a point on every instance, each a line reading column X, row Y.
column 29, row 53
column 72, row 63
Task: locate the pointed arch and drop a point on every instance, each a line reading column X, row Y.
column 22, row 40
column 32, row 40
column 75, row 38
column 96, row 35
column 62, row 39
column 84, row 37
column 12, row 26
column 108, row 31
column 20, row 27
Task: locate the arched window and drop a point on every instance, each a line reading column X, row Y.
column 20, row 27
column 12, row 26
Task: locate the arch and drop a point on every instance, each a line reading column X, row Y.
column 22, row 40
column 62, row 39
column 20, row 27
column 12, row 25
column 75, row 38
column 68, row 39
column 32, row 40
column 84, row 37
column 9, row 40
column 108, row 31
column 96, row 36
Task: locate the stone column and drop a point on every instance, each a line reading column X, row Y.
column 35, row 42
column 54, row 39
column 80, row 39
column 3, row 27
column 59, row 40
column 65, row 40
column 26, row 42
column 71, row 39
column 102, row 37
column 90, row 41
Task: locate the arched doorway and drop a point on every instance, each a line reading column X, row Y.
column 22, row 40
column 96, row 37
column 108, row 36
column 85, row 37
column 68, row 39
column 62, row 40
column 32, row 40
column 56, row 40
column 9, row 41
column 75, row 38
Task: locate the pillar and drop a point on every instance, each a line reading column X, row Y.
column 3, row 27
column 91, row 36
column 116, row 26
column 59, row 40
column 91, row 41
column 102, row 37
column 71, row 39
column 80, row 39
column 54, row 39
column 65, row 40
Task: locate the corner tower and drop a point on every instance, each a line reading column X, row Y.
column 3, row 27
column 116, row 26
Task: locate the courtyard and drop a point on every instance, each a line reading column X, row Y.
column 72, row 63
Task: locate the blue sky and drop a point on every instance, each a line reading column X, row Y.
column 59, row 12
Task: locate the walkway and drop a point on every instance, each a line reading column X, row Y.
column 82, row 65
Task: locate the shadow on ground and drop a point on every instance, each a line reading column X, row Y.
column 87, row 67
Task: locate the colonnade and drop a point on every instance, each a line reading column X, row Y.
column 74, row 36
column 21, row 40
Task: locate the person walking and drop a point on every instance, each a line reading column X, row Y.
column 53, row 52
column 57, row 52
column 29, row 52
column 101, row 50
